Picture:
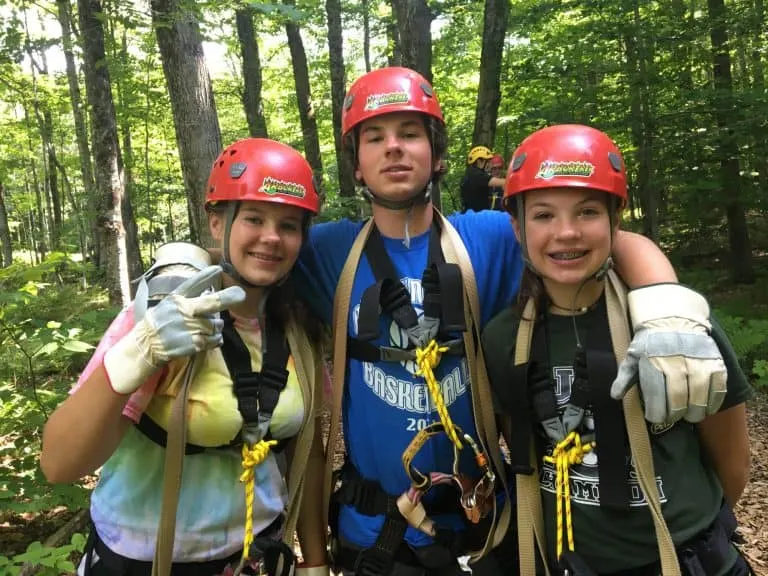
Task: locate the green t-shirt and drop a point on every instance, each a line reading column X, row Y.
column 611, row 540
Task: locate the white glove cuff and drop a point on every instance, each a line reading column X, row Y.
column 126, row 364
column 313, row 571
column 658, row 301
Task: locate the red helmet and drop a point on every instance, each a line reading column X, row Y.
column 570, row 156
column 388, row 90
column 497, row 161
column 263, row 170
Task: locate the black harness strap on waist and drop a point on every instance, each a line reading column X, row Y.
column 159, row 436
column 369, row 498
column 257, row 393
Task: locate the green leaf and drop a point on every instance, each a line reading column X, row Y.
column 65, row 566
column 47, row 349
column 53, row 325
column 76, row 346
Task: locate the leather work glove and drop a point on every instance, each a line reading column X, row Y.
column 680, row 368
column 182, row 324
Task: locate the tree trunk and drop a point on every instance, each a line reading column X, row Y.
column 5, row 232
column 304, row 97
column 53, row 182
column 106, row 151
column 135, row 266
column 644, row 128
column 338, row 88
column 366, row 35
column 489, row 89
column 414, row 19
column 194, row 110
column 738, row 234
column 758, row 86
column 42, row 229
column 394, row 54
column 81, row 133
column 249, row 51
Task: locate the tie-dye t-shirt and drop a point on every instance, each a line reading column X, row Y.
column 126, row 503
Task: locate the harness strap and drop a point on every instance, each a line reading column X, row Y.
column 257, row 393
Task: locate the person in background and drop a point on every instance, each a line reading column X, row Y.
column 496, row 165
column 477, row 181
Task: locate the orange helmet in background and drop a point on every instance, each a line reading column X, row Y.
column 385, row 91
column 497, row 161
column 263, row 170
column 567, row 156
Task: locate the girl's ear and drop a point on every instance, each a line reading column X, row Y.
column 515, row 227
column 216, row 225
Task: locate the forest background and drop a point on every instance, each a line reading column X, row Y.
column 111, row 114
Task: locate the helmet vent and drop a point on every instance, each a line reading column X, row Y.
column 348, row 101
column 615, row 161
column 517, row 163
column 427, row 89
column 236, row 169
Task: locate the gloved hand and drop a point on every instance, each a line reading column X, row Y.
column 681, row 370
column 182, row 324
column 313, row 571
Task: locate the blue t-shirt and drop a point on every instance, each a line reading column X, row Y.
column 385, row 403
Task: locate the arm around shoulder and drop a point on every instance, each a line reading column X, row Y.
column 640, row 262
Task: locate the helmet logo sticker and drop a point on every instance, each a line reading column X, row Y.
column 236, row 169
column 376, row 101
column 550, row 169
column 273, row 186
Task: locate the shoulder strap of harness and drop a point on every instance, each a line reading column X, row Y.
column 257, row 393
column 530, row 522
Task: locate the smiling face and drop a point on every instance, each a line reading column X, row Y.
column 264, row 241
column 395, row 155
column 567, row 236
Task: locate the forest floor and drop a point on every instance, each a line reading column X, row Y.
column 18, row 530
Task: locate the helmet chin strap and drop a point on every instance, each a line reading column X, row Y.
column 423, row 198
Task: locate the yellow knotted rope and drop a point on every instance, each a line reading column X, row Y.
column 253, row 455
column 426, row 359
column 567, row 452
